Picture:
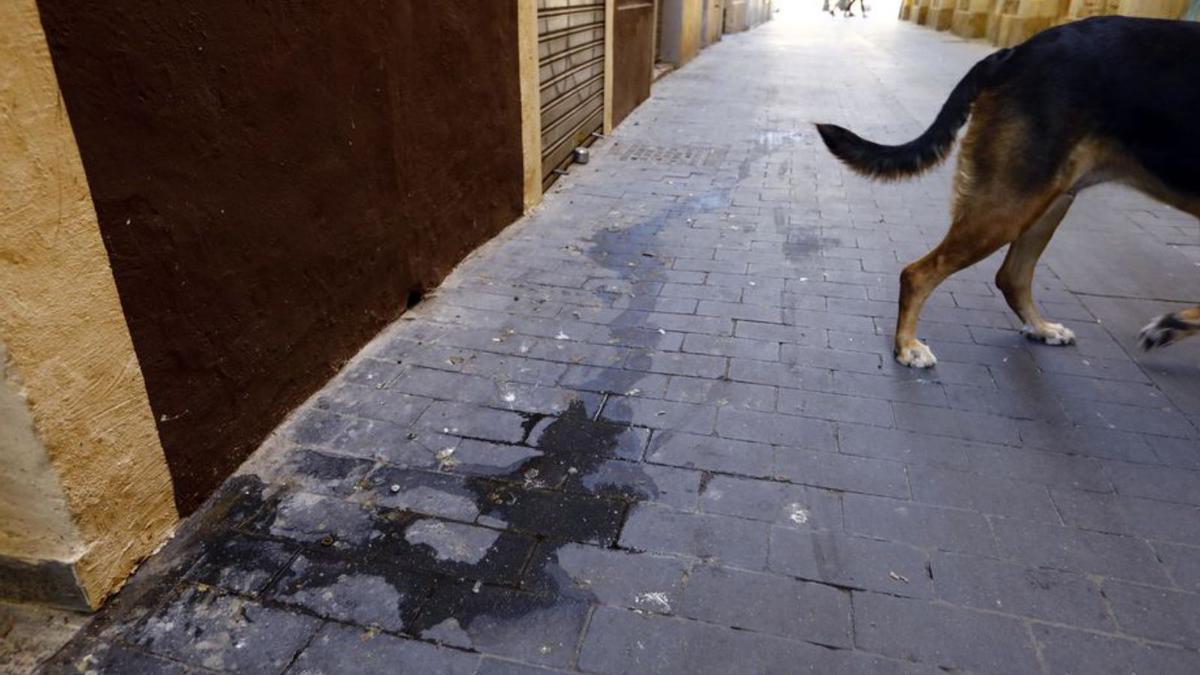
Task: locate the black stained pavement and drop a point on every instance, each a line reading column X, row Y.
column 655, row 428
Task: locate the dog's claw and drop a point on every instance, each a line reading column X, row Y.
column 1049, row 333
column 916, row 355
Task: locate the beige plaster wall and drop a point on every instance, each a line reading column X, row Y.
column 681, row 22
column 35, row 523
column 65, row 334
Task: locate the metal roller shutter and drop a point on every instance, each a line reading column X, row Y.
column 571, row 64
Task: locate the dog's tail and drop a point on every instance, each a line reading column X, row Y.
column 893, row 162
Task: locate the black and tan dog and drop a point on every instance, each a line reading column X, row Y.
column 1104, row 99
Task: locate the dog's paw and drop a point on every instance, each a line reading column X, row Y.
column 1162, row 331
column 916, row 355
column 1050, row 333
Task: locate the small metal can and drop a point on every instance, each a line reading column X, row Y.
column 582, row 155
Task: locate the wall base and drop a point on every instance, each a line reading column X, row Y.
column 44, row 582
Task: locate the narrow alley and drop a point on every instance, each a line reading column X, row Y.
column 655, row 426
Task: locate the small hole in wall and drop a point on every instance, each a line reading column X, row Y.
column 414, row 297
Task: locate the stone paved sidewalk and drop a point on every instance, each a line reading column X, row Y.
column 655, row 427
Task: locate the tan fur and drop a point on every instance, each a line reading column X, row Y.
column 989, row 212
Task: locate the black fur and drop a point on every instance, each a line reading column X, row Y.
column 1133, row 82
column 891, row 162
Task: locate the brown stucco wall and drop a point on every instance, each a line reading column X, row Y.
column 272, row 182
column 681, row 22
column 85, row 489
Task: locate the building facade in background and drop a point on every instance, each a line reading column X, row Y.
column 1006, row 23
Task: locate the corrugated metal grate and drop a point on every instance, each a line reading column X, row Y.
column 571, row 64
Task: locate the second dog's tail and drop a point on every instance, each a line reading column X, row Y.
column 892, row 162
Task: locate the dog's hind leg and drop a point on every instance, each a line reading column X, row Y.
column 1015, row 277
column 987, row 217
column 970, row 239
column 1168, row 328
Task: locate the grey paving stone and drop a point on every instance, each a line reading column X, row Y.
column 1080, row 551
column 502, row 622
column 721, row 393
column 1046, row 468
column 621, row 642
column 615, row 381
column 374, row 403
column 1155, row 613
column 1153, row 482
column 378, row 653
column 1047, row 594
column 902, row 446
column 835, row 407
column 674, row 363
column 309, row 518
column 769, row 604
column 712, row 454
column 1089, row 441
column 689, row 417
column 495, row 666
column 1154, row 421
column 105, row 657
column 771, row 501
column 388, row 442
column 731, row 541
column 1130, row 515
column 349, row 589
column 813, row 357
column 850, row 561
column 241, row 564
column 914, row 629
column 433, row 494
column 1014, row 499
column 920, row 391
column 1183, row 563
column 782, row 375
column 841, row 472
column 444, row 385
column 320, row 472
column 669, row 486
column 1179, row 452
column 223, row 632
column 969, row 426
column 1078, row 652
column 801, row 432
column 641, row 581
column 918, row 524
column 317, row 427
column 372, row 372
column 460, row 419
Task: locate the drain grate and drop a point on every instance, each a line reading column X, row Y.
column 688, row 155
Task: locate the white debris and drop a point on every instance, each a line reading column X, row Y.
column 798, row 514
column 562, row 336
column 657, row 601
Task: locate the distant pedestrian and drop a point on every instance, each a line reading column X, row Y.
column 847, row 7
